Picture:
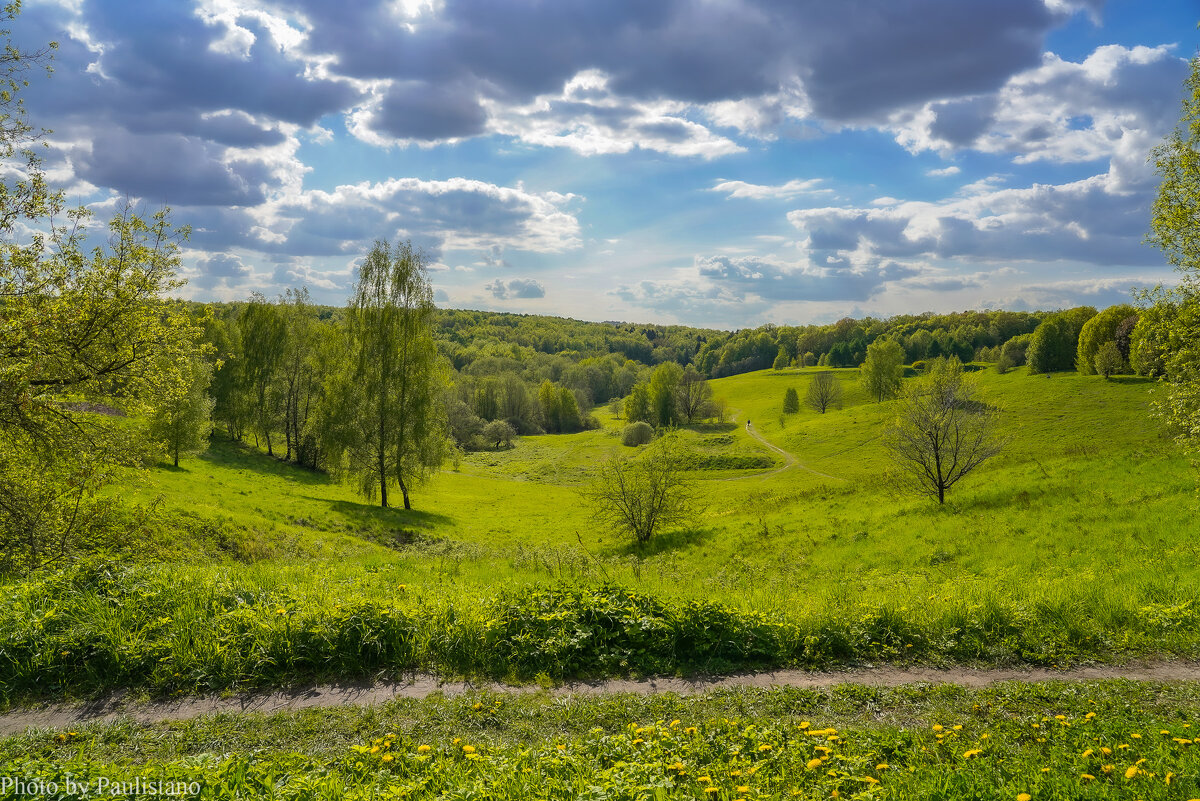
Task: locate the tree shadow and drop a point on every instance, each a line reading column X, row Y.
column 240, row 456
column 389, row 526
column 710, row 428
column 675, row 540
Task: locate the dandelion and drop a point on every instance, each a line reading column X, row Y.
column 468, row 749
column 690, row 730
column 387, row 757
column 1106, row 768
column 638, row 740
column 1132, row 771
column 742, row 788
column 374, row 749
column 712, row 789
column 562, row 747
column 937, row 727
column 974, row 752
column 882, row 766
column 1024, row 797
column 1087, row 777
column 422, row 749
column 764, row 748
column 704, row 779
column 1106, row 751
column 1136, row 736
column 1089, row 715
column 870, row 780
column 814, row 763
column 1088, row 753
column 1060, row 717
column 958, row 727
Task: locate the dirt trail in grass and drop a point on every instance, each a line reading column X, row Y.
column 65, row 716
column 789, row 459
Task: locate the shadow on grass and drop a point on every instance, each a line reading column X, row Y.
column 710, row 428
column 240, row 456
column 661, row 543
column 373, row 517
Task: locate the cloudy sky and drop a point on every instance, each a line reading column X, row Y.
column 711, row 162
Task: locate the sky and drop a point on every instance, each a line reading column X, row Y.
column 718, row 163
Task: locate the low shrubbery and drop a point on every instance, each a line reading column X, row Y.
column 99, row 627
column 639, row 433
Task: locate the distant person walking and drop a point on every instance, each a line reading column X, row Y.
column 747, row 425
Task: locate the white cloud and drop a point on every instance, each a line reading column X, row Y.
column 791, row 189
column 943, row 171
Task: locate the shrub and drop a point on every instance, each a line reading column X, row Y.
column 919, row 365
column 639, row 433
column 791, row 401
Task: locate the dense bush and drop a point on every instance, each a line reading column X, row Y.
column 639, row 433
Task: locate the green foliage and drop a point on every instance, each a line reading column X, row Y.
column 1108, row 360
column 385, row 422
column 637, row 404
column 782, row 359
column 1151, row 344
column 1015, row 349
column 791, row 401
column 498, row 433
column 1098, row 330
column 1177, row 162
column 883, row 369
column 942, row 431
column 663, row 389
column 183, row 420
column 1055, row 343
column 639, row 433
column 643, row 497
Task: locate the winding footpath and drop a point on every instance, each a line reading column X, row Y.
column 420, row 686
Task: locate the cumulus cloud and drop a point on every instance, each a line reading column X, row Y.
column 1115, row 104
column 515, row 288
column 943, row 172
column 791, row 189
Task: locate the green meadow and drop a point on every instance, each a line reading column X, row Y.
column 243, row 571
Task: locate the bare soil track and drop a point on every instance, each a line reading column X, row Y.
column 115, row 707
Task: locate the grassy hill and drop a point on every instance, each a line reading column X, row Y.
column 1072, row 545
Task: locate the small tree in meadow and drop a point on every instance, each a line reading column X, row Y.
column 1108, row 360
column 824, row 391
column 791, row 401
column 643, row 496
column 183, row 422
column 498, row 432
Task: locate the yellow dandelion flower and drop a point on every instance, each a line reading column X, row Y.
column 764, row 748
column 882, row 766
column 422, row 749
column 974, row 752
column 1136, row 736
column 1168, row 777
column 742, row 788
column 1089, row 715
column 674, row 723
column 1106, row 751
column 1045, row 770
column 704, row 779
column 1086, row 776
column 374, row 749
column 387, row 757
column 468, row 749
column 814, row 763
column 958, row 727
column 712, row 789
column 937, row 727
column 561, row 747
column 1088, row 753
column 690, row 730
column 804, row 724
column 638, row 740
column 1024, row 797
column 1106, row 768
column 870, row 780
column 1132, row 771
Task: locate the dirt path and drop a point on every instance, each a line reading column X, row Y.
column 61, row 716
column 789, row 459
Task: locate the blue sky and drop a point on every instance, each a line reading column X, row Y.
column 710, row 162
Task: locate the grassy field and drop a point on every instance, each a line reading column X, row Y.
column 1100, row 740
column 1073, row 545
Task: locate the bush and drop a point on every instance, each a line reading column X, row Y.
column 638, row 433
column 919, row 365
column 791, row 401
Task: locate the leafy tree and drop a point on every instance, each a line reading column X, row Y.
column 264, row 340
column 942, row 432
column 782, row 359
column 663, row 385
column 1055, row 342
column 384, row 423
column 499, row 433
column 183, row 420
column 637, row 404
column 1095, row 332
column 791, row 401
column 1150, row 344
column 1124, row 336
column 645, row 495
column 824, row 391
column 1108, row 360
column 1015, row 349
column 808, row 359
column 693, row 395
column 883, row 369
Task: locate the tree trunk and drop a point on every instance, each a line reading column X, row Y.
column 404, row 490
column 177, row 457
column 383, row 491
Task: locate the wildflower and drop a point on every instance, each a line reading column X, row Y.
column 690, row 730
column 974, row 752
column 1086, row 776
column 468, row 749
column 1060, row 717
column 870, row 780
column 1024, row 797
column 374, row 749
column 704, row 779
column 1132, row 771
column 764, row 748
column 804, row 724
column 1106, row 751
column 1089, row 715
column 1088, row 753
column 958, row 727
column 1182, row 741
column 937, row 727
column 712, row 789
column 814, row 763
column 422, row 749
column 674, row 723
column 1136, row 736
column 638, row 740
column 1106, row 768
column 882, row 766
column 743, row 788
column 1168, row 777
column 387, row 757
